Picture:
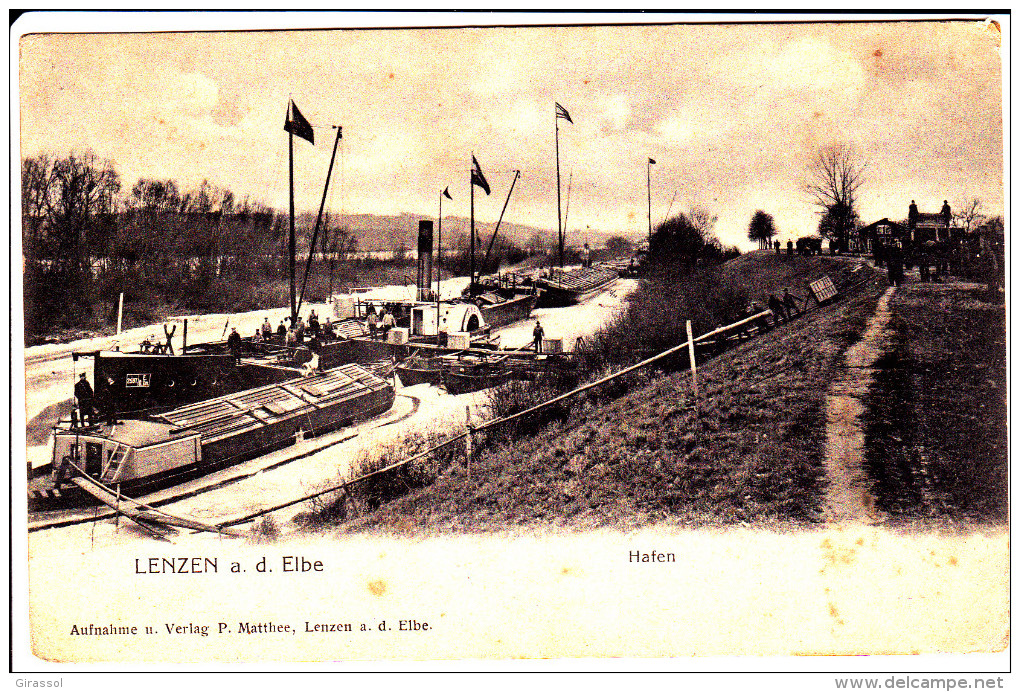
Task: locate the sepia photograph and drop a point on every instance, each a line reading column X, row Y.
column 668, row 342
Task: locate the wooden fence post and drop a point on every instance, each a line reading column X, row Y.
column 690, row 351
column 468, row 439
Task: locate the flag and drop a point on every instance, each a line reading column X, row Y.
column 297, row 124
column 561, row 112
column 476, row 176
column 651, row 160
column 446, row 193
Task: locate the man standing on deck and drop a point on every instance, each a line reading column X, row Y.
column 234, row 342
column 539, row 333
column 85, row 396
column 388, row 322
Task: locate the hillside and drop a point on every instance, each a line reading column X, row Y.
column 749, row 449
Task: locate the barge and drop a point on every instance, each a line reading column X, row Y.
column 145, row 452
column 563, row 287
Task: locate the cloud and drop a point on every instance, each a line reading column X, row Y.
column 616, row 111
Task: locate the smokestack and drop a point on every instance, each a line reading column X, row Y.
column 424, row 260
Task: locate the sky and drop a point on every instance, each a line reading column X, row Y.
column 731, row 113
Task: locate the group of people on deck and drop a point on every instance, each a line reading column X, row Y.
column 380, row 322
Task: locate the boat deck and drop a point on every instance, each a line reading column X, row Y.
column 236, row 413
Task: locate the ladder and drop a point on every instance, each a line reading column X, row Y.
column 120, row 453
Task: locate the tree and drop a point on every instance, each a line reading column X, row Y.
column 69, row 203
column 968, row 215
column 762, row 228
column 837, row 221
column 835, row 177
column 618, row 245
column 677, row 239
column 702, row 219
column 36, row 175
column 338, row 245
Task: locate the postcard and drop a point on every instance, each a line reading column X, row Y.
column 649, row 342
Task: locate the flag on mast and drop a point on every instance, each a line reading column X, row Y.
column 651, row 160
column 476, row 176
column 298, row 125
column 561, row 112
column 446, row 193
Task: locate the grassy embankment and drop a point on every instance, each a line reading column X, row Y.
column 749, row 449
column 936, row 442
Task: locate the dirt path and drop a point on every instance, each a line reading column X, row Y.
column 848, row 498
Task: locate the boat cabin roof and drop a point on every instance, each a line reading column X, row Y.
column 130, row 431
column 234, row 413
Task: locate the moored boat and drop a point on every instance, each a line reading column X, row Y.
column 500, row 310
column 419, row 369
column 149, row 451
column 461, row 377
column 563, row 287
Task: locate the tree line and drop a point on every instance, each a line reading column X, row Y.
column 87, row 237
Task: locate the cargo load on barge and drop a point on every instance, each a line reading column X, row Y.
column 563, row 287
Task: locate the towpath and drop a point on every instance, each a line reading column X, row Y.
column 848, row 498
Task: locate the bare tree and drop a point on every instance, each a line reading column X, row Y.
column 82, row 188
column 36, row 174
column 968, row 215
column 682, row 238
column 702, row 219
column 835, row 177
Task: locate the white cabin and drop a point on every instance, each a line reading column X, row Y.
column 453, row 317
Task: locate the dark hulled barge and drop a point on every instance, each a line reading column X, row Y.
column 160, row 449
column 564, row 287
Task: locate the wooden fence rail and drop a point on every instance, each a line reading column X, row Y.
column 741, row 324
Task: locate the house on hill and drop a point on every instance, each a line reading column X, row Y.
column 924, row 226
column 919, row 228
column 882, row 231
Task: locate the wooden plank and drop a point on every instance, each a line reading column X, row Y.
column 139, row 513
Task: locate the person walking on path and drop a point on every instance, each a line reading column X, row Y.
column 790, row 303
column 539, row 334
column 894, row 261
column 776, row 307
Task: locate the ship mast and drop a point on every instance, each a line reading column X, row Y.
column 293, row 242
column 318, row 219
